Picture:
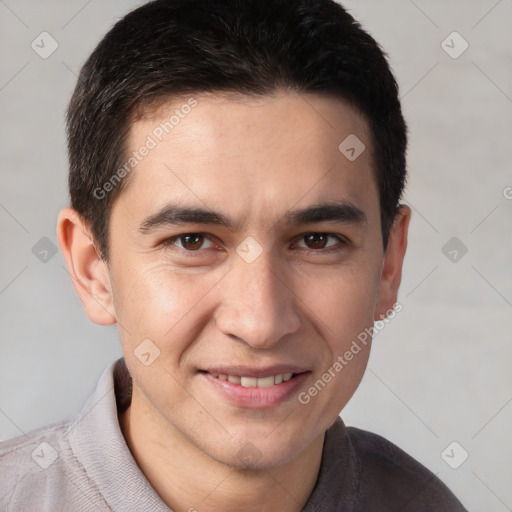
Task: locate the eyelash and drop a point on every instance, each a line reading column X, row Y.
column 343, row 242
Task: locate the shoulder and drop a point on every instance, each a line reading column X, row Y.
column 42, row 459
column 34, row 450
column 390, row 479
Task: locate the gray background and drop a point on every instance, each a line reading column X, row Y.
column 439, row 372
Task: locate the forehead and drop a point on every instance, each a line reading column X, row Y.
column 240, row 152
column 212, row 119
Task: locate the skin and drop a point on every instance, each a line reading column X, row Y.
column 253, row 160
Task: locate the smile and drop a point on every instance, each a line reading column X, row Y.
column 264, row 389
column 254, row 382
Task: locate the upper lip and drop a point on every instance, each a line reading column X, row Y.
column 246, row 371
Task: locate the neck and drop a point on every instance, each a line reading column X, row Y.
column 186, row 478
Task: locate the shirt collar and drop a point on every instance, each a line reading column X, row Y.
column 98, row 443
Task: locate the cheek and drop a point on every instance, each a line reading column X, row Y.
column 342, row 302
column 165, row 306
column 342, row 305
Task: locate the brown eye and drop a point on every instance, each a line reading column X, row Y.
column 316, row 240
column 322, row 242
column 192, row 241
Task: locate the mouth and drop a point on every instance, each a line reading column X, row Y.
column 255, row 382
column 255, row 389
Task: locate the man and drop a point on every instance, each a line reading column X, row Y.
column 236, row 169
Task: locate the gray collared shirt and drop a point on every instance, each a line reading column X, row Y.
column 84, row 464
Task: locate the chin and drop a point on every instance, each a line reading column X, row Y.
column 257, row 448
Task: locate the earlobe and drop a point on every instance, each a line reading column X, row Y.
column 391, row 273
column 89, row 273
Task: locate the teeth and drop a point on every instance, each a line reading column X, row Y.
column 253, row 382
column 265, row 382
column 249, row 382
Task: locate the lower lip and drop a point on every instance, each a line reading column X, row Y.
column 254, row 397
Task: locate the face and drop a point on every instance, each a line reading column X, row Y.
column 247, row 245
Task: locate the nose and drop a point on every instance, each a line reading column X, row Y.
column 258, row 306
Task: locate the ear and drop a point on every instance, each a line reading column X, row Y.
column 88, row 271
column 391, row 273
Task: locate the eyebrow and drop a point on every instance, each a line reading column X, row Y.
column 340, row 211
column 175, row 215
